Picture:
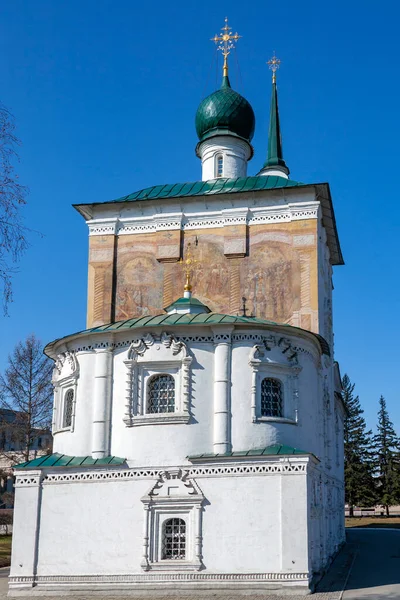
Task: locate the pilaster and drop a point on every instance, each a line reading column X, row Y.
column 102, row 403
column 222, row 389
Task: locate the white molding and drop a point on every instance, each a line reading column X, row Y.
column 152, row 355
column 65, row 377
column 246, row 215
column 174, row 495
column 219, row 580
column 201, row 468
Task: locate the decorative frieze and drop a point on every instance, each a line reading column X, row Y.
column 261, row 467
column 217, row 579
column 242, row 215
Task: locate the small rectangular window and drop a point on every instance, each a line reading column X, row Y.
column 220, row 166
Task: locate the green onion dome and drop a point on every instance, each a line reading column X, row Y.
column 225, row 112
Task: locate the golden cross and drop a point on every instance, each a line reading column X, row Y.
column 226, row 42
column 274, row 64
column 188, row 267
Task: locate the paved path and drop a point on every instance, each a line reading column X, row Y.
column 367, row 569
column 375, row 573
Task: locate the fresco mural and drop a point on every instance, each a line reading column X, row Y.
column 277, row 277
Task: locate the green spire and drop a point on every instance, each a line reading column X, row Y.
column 275, row 154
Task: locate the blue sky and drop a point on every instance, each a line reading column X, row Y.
column 104, row 95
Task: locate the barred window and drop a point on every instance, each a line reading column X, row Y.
column 161, row 394
column 174, row 540
column 220, row 166
column 271, row 398
column 68, row 402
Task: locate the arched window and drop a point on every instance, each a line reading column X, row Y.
column 271, row 398
column 174, row 540
column 219, row 166
column 68, row 403
column 161, row 394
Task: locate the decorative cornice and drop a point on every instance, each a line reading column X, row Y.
column 260, row 466
column 285, row 212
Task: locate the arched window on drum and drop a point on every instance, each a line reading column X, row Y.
column 271, row 397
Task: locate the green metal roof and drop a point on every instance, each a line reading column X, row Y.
column 188, row 319
column 211, row 187
column 62, row 460
column 181, row 302
column 277, row 450
column 227, row 112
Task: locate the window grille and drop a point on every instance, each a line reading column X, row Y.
column 271, row 398
column 161, row 397
column 174, row 540
column 220, row 166
column 68, row 402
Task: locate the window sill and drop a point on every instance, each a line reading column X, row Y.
column 275, row 420
column 175, row 565
column 159, row 419
column 62, row 429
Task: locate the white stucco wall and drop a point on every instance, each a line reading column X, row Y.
column 94, row 526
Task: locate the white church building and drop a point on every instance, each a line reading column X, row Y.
column 198, row 421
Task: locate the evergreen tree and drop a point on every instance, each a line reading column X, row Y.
column 387, row 460
column 358, row 465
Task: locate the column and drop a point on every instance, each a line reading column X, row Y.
column 222, row 390
column 102, row 403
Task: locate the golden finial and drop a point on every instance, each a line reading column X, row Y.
column 188, row 267
column 226, row 40
column 274, row 64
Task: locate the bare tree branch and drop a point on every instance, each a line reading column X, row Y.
column 13, row 241
column 26, row 397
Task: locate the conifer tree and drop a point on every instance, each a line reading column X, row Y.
column 358, row 466
column 387, row 460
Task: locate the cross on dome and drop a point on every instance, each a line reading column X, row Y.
column 226, row 40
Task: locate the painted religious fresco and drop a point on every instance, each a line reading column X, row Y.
column 277, row 276
column 137, row 291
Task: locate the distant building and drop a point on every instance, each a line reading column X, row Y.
column 13, row 444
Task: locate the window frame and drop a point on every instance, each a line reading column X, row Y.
column 282, row 394
column 177, row 497
column 65, row 376
column 60, row 393
column 287, row 373
column 152, row 356
column 219, row 157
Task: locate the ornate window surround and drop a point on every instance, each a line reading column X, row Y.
column 286, row 372
column 65, row 378
column 173, row 495
column 149, row 356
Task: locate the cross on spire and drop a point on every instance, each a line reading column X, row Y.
column 226, row 42
column 274, row 64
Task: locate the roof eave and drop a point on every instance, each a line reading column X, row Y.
column 329, row 222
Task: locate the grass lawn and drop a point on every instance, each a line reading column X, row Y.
column 392, row 522
column 5, row 550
